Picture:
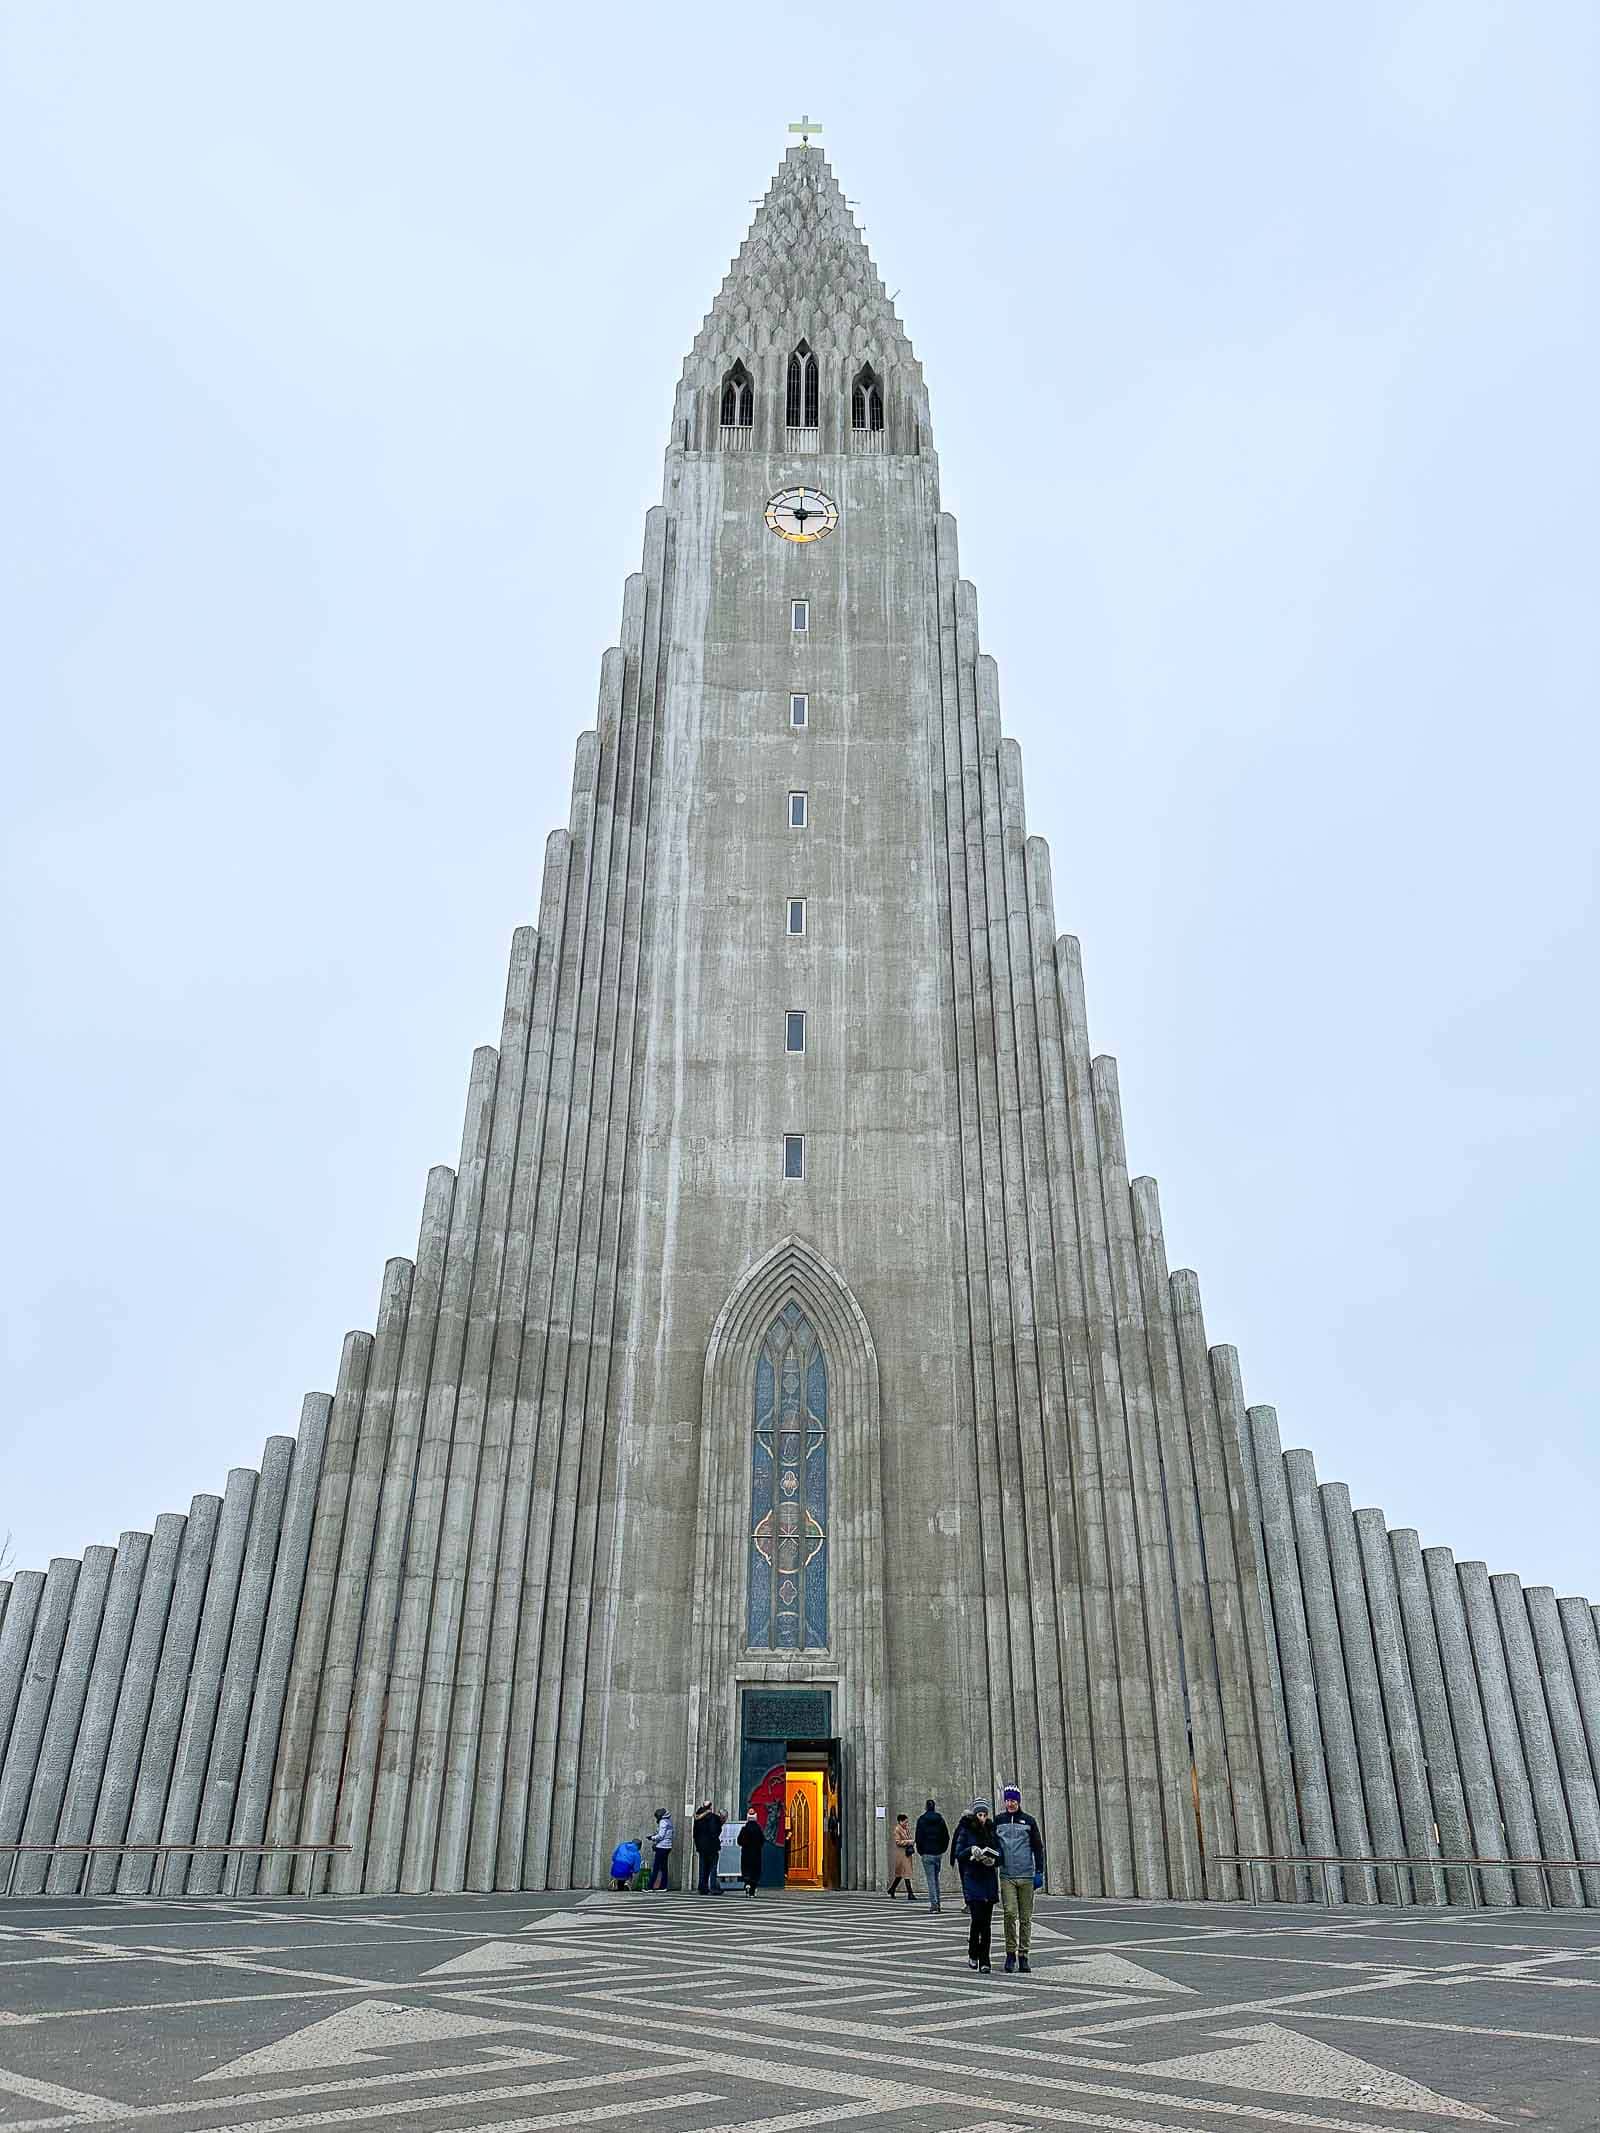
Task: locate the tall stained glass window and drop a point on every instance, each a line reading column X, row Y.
column 788, row 1609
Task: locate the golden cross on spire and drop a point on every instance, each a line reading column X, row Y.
column 805, row 127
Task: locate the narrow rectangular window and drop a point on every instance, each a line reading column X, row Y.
column 797, row 810
column 799, row 710
column 794, row 1029
column 800, row 614
column 794, row 1155
column 797, row 915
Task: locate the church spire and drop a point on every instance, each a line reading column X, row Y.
column 802, row 274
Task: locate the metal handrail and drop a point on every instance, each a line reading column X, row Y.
column 1476, row 1866
column 239, row 1853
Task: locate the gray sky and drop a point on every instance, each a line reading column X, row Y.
column 338, row 351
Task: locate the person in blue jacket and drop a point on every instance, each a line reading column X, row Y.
column 977, row 1854
column 625, row 1862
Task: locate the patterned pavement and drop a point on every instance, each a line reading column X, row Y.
column 510, row 2014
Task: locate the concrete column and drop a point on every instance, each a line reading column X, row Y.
column 1583, row 1651
column 134, row 1875
column 277, row 1643
column 370, row 1691
column 296, row 1728
column 76, row 1818
column 1333, row 1696
column 327, row 1755
column 134, row 1694
column 1500, row 1722
column 418, row 1715
column 499, row 1816
column 67, row 1692
column 1406, row 1757
column 1294, row 1642
column 1566, row 1726
column 475, row 1502
column 1442, row 1768
column 38, row 1686
column 193, row 1751
column 1163, row 1801
column 1538, row 1744
column 1255, row 1606
column 1467, row 1718
column 1366, row 1695
column 1213, row 1792
column 1221, row 1497
column 219, row 1794
column 16, row 1641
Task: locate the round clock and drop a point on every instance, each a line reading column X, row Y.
column 802, row 514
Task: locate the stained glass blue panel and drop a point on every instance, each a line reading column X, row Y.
column 788, row 1569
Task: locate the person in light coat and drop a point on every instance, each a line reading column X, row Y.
column 660, row 1850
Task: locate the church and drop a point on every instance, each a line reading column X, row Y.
column 788, row 1398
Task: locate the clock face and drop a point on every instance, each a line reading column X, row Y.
column 802, row 514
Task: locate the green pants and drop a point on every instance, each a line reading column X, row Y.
column 1016, row 1899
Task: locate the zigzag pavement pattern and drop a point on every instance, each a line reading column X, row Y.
column 512, row 2014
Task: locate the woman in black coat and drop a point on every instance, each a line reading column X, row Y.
column 977, row 1853
column 752, row 1843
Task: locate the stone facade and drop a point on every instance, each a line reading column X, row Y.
column 494, row 1603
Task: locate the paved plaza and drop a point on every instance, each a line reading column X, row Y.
column 510, row 2014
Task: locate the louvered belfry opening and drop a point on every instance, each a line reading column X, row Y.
column 866, row 400
column 738, row 399
column 801, row 406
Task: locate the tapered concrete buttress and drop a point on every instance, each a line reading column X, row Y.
column 76, row 1818
column 1583, row 1651
column 277, row 1641
column 295, row 1740
column 193, row 1750
column 16, row 1641
column 1405, row 1751
column 1566, row 1727
column 1500, row 1723
column 135, row 1694
column 375, row 1656
column 1471, row 1728
column 1366, row 1696
column 1333, row 1695
column 1538, row 1744
column 1261, row 1651
column 1446, row 1792
column 60, row 1733
column 350, row 1599
column 1292, row 1640
column 220, row 1791
column 135, row 1874
column 37, row 1692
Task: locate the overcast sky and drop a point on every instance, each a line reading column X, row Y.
column 338, row 348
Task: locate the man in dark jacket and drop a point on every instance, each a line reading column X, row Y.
column 752, row 1843
column 932, row 1842
column 977, row 1852
column 1021, row 1869
column 707, row 1832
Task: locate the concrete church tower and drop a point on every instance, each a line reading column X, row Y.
column 789, row 1377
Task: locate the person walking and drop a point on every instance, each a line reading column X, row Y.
column 706, row 1831
column 932, row 1841
column 660, row 1850
column 1021, row 1872
column 752, row 1843
column 977, row 1850
column 901, row 1853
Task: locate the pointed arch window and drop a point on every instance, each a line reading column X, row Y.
column 788, row 1570
column 738, row 399
column 866, row 400
column 801, row 410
